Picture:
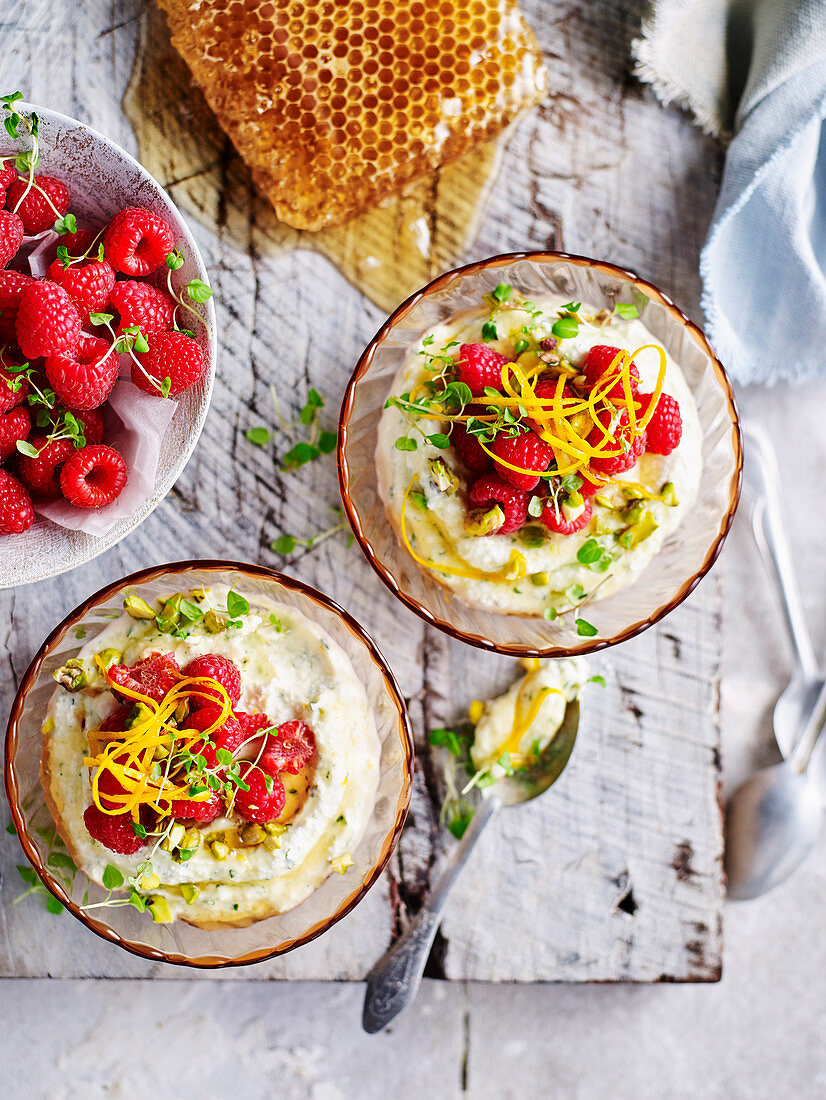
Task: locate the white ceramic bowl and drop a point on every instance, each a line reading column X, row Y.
column 102, row 179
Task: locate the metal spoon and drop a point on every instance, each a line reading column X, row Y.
column 774, row 817
column 761, row 496
column 394, row 981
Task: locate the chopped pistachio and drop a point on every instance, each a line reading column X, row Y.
column 634, row 513
column 275, row 829
column 189, row 892
column 638, row 532
column 529, row 359
column 191, row 840
column 137, row 608
column 182, row 710
column 272, row 843
column 572, row 510
column 418, row 500
column 149, row 881
column 140, row 712
column 219, row 849
column 443, row 477
column 540, row 579
column 253, row 834
column 161, row 752
column 532, row 537
column 341, row 863
column 605, row 499
column 72, row 675
column 214, row 622
column 174, row 837
column 668, row 496
column 104, row 660
column 481, row 521
column 159, row 908
column 600, row 527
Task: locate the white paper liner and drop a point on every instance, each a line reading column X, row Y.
column 136, row 425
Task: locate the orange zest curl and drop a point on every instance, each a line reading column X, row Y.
column 129, row 756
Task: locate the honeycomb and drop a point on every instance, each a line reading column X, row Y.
column 335, row 104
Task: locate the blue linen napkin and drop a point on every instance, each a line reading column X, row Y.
column 756, row 72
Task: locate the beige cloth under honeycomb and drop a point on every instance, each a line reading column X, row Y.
column 335, row 105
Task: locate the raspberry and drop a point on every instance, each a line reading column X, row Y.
column 116, row 722
column 90, row 420
column 480, row 366
column 513, row 502
column 41, row 474
column 200, row 809
column 665, row 428
column 596, row 365
column 7, row 178
column 142, row 305
column 556, row 522
column 88, row 284
column 259, row 804
column 616, row 464
column 11, row 236
column 154, row 676
column 137, row 241
column 113, row 831
column 171, row 355
column 12, row 285
column 14, row 425
column 84, row 379
column 14, row 387
column 47, row 321
column 252, row 723
column 290, row 750
column 16, row 512
column 228, row 736
column 47, row 201
column 93, row 476
column 588, row 487
column 528, row 452
column 469, row 449
column 217, row 668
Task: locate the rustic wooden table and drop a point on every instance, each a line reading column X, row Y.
column 616, row 874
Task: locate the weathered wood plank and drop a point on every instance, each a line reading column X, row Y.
column 599, row 169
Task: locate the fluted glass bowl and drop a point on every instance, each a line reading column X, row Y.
column 686, row 556
column 179, row 942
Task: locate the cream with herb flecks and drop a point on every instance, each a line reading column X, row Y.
column 533, row 456
column 210, row 756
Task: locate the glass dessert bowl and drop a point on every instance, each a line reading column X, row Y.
column 191, row 845
column 540, row 454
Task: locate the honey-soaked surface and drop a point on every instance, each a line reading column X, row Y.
column 336, row 105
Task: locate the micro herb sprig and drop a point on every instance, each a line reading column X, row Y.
column 456, row 813
column 131, row 340
column 68, row 224
column 567, row 325
column 196, row 290
column 319, row 441
column 287, row 544
column 59, row 862
column 27, row 161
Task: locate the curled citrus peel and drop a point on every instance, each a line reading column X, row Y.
column 130, row 756
column 553, row 422
column 522, row 722
column 516, row 569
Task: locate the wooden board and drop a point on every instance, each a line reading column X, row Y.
column 616, row 874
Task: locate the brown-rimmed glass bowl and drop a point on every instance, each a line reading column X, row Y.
column 179, row 942
column 686, row 556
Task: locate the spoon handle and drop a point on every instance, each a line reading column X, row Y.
column 395, row 979
column 763, row 503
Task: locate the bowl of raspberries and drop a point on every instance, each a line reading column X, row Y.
column 107, row 343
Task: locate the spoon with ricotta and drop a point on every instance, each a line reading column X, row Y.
column 523, row 741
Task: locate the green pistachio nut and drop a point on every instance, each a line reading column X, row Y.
column 274, row 829
column 634, row 535
column 253, row 834
column 189, row 892
column 635, row 512
column 540, row 579
column 219, row 849
column 191, row 840
column 214, row 622
column 149, row 881
column 71, row 676
column 159, row 908
column 104, row 660
column 668, row 495
column 481, row 521
column 138, row 714
column 605, row 500
column 137, row 608
column 532, row 537
column 443, row 477
column 418, row 500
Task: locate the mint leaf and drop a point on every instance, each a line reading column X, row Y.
column 237, row 604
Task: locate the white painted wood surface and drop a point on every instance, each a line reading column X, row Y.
column 599, row 169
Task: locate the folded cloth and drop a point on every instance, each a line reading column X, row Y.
column 755, row 73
